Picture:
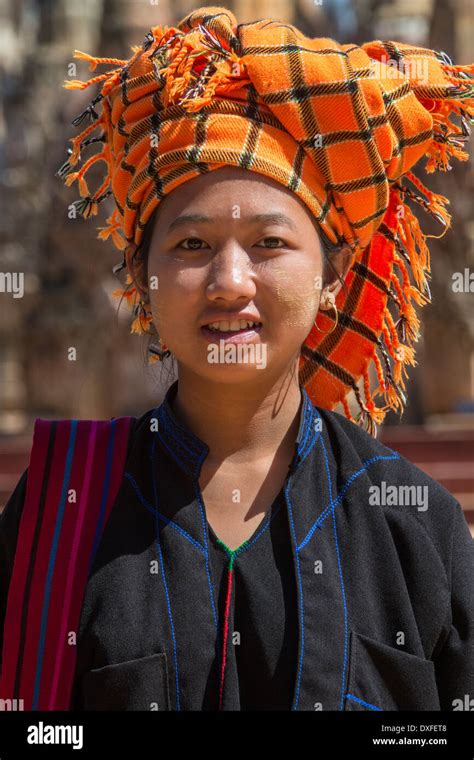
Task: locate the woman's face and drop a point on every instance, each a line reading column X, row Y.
column 254, row 249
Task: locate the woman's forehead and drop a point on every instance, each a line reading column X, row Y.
column 224, row 189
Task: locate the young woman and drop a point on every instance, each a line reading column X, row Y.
column 244, row 546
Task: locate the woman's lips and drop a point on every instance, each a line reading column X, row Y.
column 238, row 336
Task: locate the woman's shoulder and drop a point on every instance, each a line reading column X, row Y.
column 408, row 497
column 356, row 447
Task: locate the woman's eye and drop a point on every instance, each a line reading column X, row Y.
column 192, row 241
column 274, row 246
column 194, row 244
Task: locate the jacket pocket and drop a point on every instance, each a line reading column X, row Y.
column 384, row 678
column 140, row 684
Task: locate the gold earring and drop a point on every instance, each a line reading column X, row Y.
column 336, row 319
column 158, row 354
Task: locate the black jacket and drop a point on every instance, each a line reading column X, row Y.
column 356, row 591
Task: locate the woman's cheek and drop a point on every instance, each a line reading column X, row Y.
column 164, row 289
column 297, row 295
column 162, row 309
column 176, row 306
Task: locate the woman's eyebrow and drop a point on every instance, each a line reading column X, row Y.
column 180, row 221
column 274, row 217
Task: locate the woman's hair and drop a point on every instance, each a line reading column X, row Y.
column 329, row 249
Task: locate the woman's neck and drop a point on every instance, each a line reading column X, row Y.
column 241, row 422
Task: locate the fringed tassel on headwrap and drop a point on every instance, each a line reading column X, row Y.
column 142, row 320
column 93, row 60
column 347, row 410
column 409, row 243
column 192, row 77
column 114, row 224
column 445, row 91
column 130, row 294
column 88, row 205
column 408, row 247
column 398, row 338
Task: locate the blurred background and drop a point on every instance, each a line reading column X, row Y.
column 68, row 278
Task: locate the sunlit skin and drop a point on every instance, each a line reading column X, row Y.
column 233, row 263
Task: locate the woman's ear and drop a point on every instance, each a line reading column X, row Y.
column 341, row 262
column 137, row 269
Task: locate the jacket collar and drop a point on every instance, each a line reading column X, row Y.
column 189, row 451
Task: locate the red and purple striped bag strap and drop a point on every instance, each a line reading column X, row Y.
column 75, row 471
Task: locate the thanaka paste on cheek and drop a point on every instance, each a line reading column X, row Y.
column 298, row 305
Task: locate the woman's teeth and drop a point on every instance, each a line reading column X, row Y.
column 233, row 326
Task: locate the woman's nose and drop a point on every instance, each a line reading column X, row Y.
column 231, row 274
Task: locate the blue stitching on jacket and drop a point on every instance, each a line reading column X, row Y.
column 300, row 594
column 241, row 550
column 265, row 527
column 341, row 495
column 317, row 524
column 311, row 410
column 316, row 436
column 168, row 601
column 361, row 702
column 341, row 577
column 183, row 440
column 193, row 447
column 174, row 424
column 306, row 427
column 171, row 430
column 162, row 517
column 186, row 465
column 206, row 554
column 310, row 414
column 171, row 450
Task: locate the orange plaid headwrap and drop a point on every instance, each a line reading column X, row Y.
column 339, row 125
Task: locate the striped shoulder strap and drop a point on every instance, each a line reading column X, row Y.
column 74, row 476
